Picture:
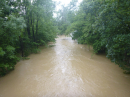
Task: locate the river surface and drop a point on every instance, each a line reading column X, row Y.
column 65, row 70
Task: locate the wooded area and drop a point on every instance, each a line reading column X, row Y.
column 24, row 25
column 27, row 24
column 104, row 24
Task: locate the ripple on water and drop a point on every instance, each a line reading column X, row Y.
column 65, row 70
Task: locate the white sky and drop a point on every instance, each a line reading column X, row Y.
column 63, row 2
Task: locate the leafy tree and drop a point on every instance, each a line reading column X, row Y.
column 65, row 16
column 105, row 25
column 25, row 25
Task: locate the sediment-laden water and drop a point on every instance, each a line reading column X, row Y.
column 65, row 70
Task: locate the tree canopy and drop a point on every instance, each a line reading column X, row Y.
column 104, row 24
column 24, row 25
column 27, row 24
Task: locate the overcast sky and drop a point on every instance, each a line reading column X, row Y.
column 63, row 2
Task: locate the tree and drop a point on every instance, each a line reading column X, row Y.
column 105, row 25
column 25, row 25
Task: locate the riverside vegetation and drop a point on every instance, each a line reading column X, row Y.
column 27, row 24
column 104, row 24
column 24, row 25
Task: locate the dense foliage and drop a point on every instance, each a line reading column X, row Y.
column 27, row 24
column 65, row 16
column 24, row 25
column 104, row 24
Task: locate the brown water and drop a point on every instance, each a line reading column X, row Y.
column 65, row 70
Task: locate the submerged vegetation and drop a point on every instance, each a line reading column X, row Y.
column 104, row 24
column 24, row 25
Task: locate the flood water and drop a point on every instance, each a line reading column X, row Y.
column 65, row 70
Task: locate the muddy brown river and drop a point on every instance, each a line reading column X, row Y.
column 65, row 70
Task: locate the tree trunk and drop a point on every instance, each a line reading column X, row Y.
column 28, row 27
column 32, row 21
column 21, row 45
column 37, row 26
